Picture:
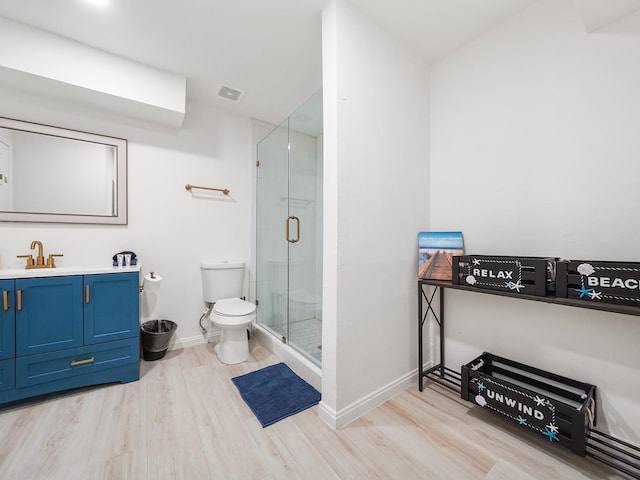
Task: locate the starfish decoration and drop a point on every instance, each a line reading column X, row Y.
column 514, row 286
column 551, row 434
column 552, row 428
column 584, row 291
column 521, row 421
column 595, row 295
column 476, row 261
column 481, row 386
column 539, row 401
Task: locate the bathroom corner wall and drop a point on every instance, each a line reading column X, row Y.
column 375, row 203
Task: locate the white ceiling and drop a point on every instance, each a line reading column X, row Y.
column 269, row 49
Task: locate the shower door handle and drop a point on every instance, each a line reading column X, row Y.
column 289, row 218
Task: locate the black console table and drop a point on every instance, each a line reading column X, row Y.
column 603, row 447
column 440, row 372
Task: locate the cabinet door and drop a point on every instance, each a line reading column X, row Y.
column 7, row 320
column 48, row 314
column 112, row 307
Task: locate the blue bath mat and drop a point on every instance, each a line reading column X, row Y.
column 275, row 392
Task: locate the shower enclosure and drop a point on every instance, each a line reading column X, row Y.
column 289, row 230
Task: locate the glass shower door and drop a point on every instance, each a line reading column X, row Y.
column 305, row 212
column 289, row 230
column 271, row 247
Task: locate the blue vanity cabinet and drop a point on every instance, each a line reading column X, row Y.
column 48, row 314
column 70, row 331
column 7, row 336
column 111, row 306
column 7, row 320
column 7, row 375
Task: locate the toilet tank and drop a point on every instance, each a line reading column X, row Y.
column 221, row 279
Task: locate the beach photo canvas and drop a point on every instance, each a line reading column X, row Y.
column 435, row 252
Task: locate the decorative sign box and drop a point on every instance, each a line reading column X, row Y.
column 593, row 281
column 557, row 408
column 525, row 275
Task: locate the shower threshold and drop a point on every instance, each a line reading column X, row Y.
column 305, row 337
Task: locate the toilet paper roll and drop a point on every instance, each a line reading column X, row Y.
column 152, row 284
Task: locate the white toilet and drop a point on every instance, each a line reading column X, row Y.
column 222, row 284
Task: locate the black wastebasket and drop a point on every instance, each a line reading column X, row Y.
column 155, row 336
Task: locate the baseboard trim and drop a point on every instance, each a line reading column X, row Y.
column 328, row 415
column 187, row 342
column 341, row 418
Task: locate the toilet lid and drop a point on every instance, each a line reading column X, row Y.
column 233, row 307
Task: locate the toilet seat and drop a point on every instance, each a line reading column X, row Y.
column 233, row 307
column 232, row 312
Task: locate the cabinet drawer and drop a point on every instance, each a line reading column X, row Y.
column 53, row 366
column 7, row 375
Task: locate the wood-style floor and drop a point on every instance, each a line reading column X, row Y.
column 184, row 419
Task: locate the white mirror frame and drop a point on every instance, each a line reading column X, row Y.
column 120, row 145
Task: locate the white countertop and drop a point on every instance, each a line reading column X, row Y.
column 62, row 271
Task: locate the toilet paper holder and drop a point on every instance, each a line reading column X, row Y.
column 150, row 277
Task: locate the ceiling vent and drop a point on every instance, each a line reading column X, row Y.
column 230, row 93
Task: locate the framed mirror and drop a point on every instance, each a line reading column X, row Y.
column 55, row 175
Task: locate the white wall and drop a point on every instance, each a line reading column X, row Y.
column 534, row 151
column 375, row 179
column 35, row 60
column 170, row 229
